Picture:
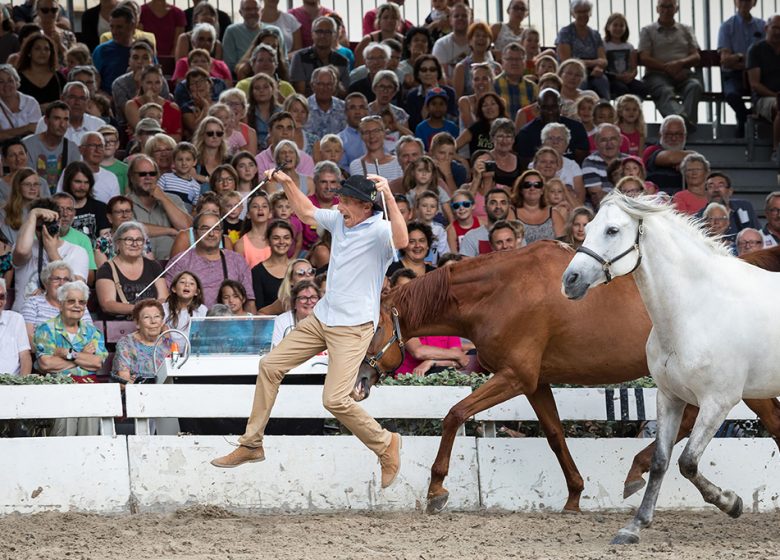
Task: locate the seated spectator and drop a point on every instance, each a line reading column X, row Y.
column 236, row 101
column 742, row 215
column 572, row 73
column 234, row 138
column 264, row 59
column 479, row 38
column 103, row 184
column 25, row 190
column 319, row 254
column 304, row 295
column 165, row 21
column 150, row 92
column 21, row 112
column 504, row 236
column 436, row 107
column 764, row 79
column 749, row 240
column 355, row 109
column 668, row 49
column 263, row 104
column 320, row 53
column 516, row 90
column 693, row 198
column 208, row 202
column 632, row 123
column 594, row 167
column 239, row 37
column 329, row 148
column 77, row 97
column 387, row 21
column 529, row 138
column 50, row 151
column 298, row 270
column 604, row 112
column 557, row 136
column 413, row 256
column 9, row 40
column 38, row 65
column 111, row 58
column 385, row 87
column 233, row 295
column 135, row 359
column 223, row 179
column 118, row 211
column 209, row 141
column 126, row 87
column 298, row 107
column 771, row 231
column 476, row 136
column 14, row 157
column 462, row 205
column 40, row 234
column 716, row 220
column 185, row 301
column 202, row 12
column 454, row 46
column 507, row 164
column 538, row 219
column 482, row 77
column 631, row 186
column 426, row 209
column 90, row 218
column 268, row 275
column 583, row 111
column 376, row 160
column 482, row 181
column 180, row 181
column 195, row 95
column 203, row 38
column 45, row 306
column 122, row 281
column 287, row 157
column 66, row 208
column 212, row 264
column 557, row 197
column 69, row 346
column 246, row 168
column 429, row 74
column 581, row 42
column 15, row 358
column 512, row 30
column 574, row 232
column 423, row 176
column 529, row 112
column 622, row 59
column 377, row 59
column 253, row 244
column 231, row 206
column 633, row 166
column 282, row 126
column 662, row 160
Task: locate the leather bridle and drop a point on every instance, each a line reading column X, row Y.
column 606, row 265
column 373, row 361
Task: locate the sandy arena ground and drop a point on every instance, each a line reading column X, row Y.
column 212, row 533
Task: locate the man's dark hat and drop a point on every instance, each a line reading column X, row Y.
column 357, row 186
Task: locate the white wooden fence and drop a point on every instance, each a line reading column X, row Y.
column 143, row 472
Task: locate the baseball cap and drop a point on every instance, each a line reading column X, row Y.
column 435, row 92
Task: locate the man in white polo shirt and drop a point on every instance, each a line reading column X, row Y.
column 15, row 357
column 343, row 321
column 76, row 97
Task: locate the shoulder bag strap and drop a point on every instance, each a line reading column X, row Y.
column 224, row 264
column 117, row 283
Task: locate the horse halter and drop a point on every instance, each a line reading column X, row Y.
column 373, row 361
column 606, row 265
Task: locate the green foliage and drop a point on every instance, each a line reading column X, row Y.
column 39, row 427
column 7, row 379
column 449, row 376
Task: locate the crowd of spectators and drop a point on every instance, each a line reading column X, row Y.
column 114, row 164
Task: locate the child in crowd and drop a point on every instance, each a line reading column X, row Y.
column 426, row 208
column 181, row 181
column 421, row 176
column 632, row 123
column 438, row 20
column 584, row 107
column 330, row 148
column 633, row 166
column 233, row 294
column 557, row 197
column 282, row 210
column 436, row 104
column 110, row 163
column 462, row 205
column 544, row 65
column 443, row 151
column 622, row 59
column 184, row 302
column 604, row 112
column 151, row 111
column 233, row 223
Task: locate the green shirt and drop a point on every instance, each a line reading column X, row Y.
column 82, row 240
column 118, row 168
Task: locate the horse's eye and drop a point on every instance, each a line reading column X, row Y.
column 612, row 230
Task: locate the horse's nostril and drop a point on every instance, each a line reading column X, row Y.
column 572, row 278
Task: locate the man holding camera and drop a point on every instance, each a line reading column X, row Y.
column 39, row 243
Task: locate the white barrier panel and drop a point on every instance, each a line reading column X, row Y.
column 523, row 474
column 304, row 474
column 84, row 474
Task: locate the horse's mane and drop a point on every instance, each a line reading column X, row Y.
column 644, row 206
column 423, row 299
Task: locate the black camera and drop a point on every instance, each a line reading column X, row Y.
column 52, row 227
column 490, row 167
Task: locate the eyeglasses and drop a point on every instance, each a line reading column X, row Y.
column 751, row 243
column 203, row 229
column 773, row 211
column 66, row 210
column 60, row 279
column 323, row 32
column 462, row 204
column 93, row 146
column 111, row 142
column 49, row 10
column 227, row 179
column 133, row 241
column 384, row 88
column 428, row 69
column 79, row 302
column 307, row 299
column 532, row 185
column 161, row 151
column 372, row 132
column 125, row 212
column 217, row 133
column 305, row 272
column 146, row 173
column 718, row 220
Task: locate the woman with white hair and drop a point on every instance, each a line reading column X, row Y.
column 42, row 307
column 19, row 112
column 120, row 281
column 578, row 40
column 204, row 39
column 385, row 87
column 557, row 136
column 287, row 157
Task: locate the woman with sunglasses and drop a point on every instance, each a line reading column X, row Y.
column 304, row 296
column 462, row 205
column 429, row 73
column 209, row 140
column 539, row 219
column 267, row 277
column 298, row 270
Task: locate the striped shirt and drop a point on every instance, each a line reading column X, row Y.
column 37, row 310
column 186, row 189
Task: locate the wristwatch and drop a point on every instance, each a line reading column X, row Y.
column 71, row 355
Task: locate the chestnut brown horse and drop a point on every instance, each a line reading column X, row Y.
column 530, row 335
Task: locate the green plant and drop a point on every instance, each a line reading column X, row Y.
column 37, row 427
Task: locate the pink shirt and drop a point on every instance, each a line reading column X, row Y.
column 409, row 363
column 218, row 70
column 163, row 28
column 265, row 161
column 688, row 203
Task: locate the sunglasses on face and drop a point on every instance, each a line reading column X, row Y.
column 48, row 10
column 305, row 272
column 217, row 133
column 462, row 204
column 146, row 173
column 532, row 185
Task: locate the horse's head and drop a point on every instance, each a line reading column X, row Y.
column 385, row 354
column 612, row 235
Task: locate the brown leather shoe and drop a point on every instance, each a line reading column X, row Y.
column 240, row 455
column 390, row 461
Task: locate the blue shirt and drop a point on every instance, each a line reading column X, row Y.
column 111, row 60
column 424, row 131
column 736, row 34
column 354, row 147
column 322, row 122
column 359, row 258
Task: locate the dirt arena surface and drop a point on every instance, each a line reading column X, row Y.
column 212, row 533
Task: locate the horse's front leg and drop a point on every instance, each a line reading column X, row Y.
column 670, row 411
column 543, row 403
column 642, row 460
column 497, row 389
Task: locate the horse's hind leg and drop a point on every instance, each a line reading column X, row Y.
column 497, row 389
column 634, row 481
column 670, row 411
column 543, row 403
column 711, row 416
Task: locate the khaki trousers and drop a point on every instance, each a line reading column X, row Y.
column 346, row 347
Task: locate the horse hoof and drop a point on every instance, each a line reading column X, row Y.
column 736, row 504
column 632, row 487
column 624, row 537
column 437, row 503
